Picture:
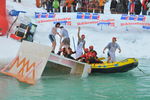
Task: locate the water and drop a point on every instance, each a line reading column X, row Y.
column 132, row 85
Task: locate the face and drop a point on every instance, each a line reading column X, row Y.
column 58, row 26
column 82, row 37
column 114, row 40
column 91, row 48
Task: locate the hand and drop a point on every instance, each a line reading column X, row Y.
column 103, row 52
column 119, row 51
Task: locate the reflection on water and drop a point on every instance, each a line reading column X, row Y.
column 132, row 85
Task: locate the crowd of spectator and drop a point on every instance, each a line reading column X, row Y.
column 97, row 6
column 130, row 7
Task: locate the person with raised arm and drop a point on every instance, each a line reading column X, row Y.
column 80, row 45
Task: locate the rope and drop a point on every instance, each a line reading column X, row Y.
column 141, row 70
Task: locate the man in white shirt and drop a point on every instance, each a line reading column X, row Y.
column 112, row 46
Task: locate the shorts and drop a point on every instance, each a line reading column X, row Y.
column 66, row 41
column 52, row 38
column 78, row 54
column 112, row 56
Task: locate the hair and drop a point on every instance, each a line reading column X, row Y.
column 61, row 27
column 57, row 24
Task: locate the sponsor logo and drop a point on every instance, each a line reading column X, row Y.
column 63, row 22
column 133, row 17
column 53, row 20
column 44, row 15
column 88, row 16
column 137, row 23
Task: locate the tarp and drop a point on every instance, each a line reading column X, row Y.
column 3, row 18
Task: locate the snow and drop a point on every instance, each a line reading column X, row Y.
column 134, row 40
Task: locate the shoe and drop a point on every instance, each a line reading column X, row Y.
column 59, row 52
column 52, row 52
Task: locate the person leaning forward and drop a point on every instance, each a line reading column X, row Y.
column 52, row 36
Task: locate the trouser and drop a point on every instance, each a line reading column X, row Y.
column 49, row 8
column 148, row 13
column 78, row 53
column 112, row 56
column 74, row 9
column 144, row 12
column 18, row 1
column 102, row 9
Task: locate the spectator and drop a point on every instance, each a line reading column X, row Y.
column 56, row 5
column 113, row 6
column 84, row 5
column 69, row 5
column 18, row 1
column 63, row 4
column 138, row 6
column 90, row 6
column 43, row 3
column 122, row 7
column 144, row 7
column 148, row 6
column 59, row 5
column 131, row 6
column 97, row 7
column 79, row 5
column 102, row 4
column 49, row 5
column 125, row 6
column 74, row 3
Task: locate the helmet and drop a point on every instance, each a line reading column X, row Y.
column 91, row 47
column 86, row 50
column 83, row 36
column 114, row 38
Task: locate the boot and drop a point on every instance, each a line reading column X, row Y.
column 52, row 52
column 59, row 52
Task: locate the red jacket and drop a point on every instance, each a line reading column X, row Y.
column 144, row 4
column 132, row 7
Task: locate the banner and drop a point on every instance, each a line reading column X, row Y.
column 96, row 20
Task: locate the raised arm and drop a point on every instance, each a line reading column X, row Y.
column 79, row 33
column 119, row 48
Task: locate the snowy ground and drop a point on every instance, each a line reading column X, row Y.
column 134, row 42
